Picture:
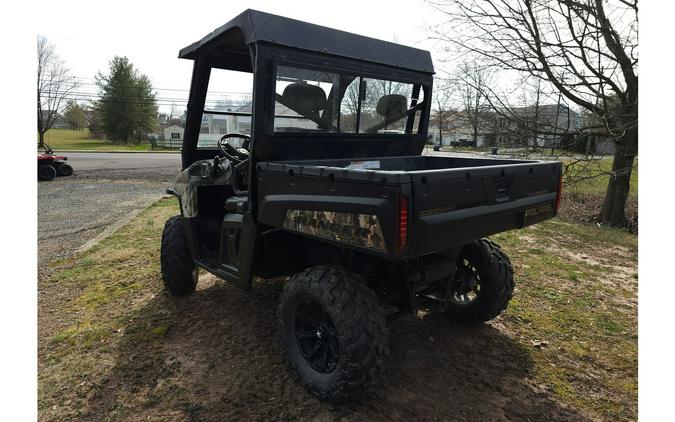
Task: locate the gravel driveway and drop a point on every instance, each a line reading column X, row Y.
column 73, row 210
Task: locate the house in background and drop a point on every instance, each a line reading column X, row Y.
column 174, row 133
column 172, row 137
column 544, row 125
column 214, row 126
column 531, row 126
column 458, row 130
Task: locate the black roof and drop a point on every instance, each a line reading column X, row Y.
column 260, row 26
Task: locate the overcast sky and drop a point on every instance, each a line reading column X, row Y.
column 151, row 33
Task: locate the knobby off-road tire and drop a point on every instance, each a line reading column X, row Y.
column 64, row 170
column 179, row 272
column 496, row 283
column 46, row 172
column 359, row 328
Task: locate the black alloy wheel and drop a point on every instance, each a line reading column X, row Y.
column 316, row 337
column 467, row 284
column 333, row 332
column 483, row 284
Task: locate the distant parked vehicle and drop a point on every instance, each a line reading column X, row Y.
column 51, row 165
column 462, row 143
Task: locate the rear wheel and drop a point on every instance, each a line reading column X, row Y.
column 333, row 332
column 179, row 272
column 46, row 172
column 483, row 284
column 64, row 170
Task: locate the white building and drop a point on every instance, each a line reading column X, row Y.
column 170, row 137
column 173, row 133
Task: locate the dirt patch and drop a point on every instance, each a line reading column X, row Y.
column 219, row 360
column 215, row 357
column 585, row 208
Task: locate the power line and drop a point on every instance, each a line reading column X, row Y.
column 157, row 103
column 94, row 96
column 171, row 89
column 144, row 101
column 161, row 99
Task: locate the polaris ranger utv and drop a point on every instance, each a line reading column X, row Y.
column 330, row 187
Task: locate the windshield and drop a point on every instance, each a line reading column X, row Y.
column 318, row 101
column 226, row 111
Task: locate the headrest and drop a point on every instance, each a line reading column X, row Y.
column 392, row 105
column 305, row 98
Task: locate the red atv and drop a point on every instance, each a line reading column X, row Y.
column 50, row 165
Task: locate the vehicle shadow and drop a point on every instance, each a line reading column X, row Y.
column 214, row 356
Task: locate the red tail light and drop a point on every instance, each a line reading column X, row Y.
column 402, row 238
column 557, row 197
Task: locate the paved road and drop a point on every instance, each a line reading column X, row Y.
column 105, row 188
column 123, row 160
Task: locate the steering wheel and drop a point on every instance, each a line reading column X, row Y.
column 237, row 155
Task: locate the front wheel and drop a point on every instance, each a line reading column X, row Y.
column 46, row 172
column 483, row 284
column 333, row 332
column 179, row 272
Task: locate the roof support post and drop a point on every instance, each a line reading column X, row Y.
column 201, row 73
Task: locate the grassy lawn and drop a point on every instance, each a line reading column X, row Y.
column 573, row 316
column 75, row 140
column 595, row 176
column 577, row 291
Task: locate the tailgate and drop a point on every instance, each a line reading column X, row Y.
column 455, row 206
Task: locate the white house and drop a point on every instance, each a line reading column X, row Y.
column 214, row 126
column 173, row 133
column 171, row 137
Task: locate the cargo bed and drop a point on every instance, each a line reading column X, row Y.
column 452, row 200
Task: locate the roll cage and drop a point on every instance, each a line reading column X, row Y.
column 257, row 42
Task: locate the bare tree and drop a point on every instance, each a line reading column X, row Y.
column 473, row 85
column 443, row 111
column 586, row 49
column 350, row 107
column 530, row 113
column 54, row 84
column 173, row 113
column 530, row 121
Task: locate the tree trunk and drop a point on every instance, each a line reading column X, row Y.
column 613, row 211
column 41, row 142
column 440, row 134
